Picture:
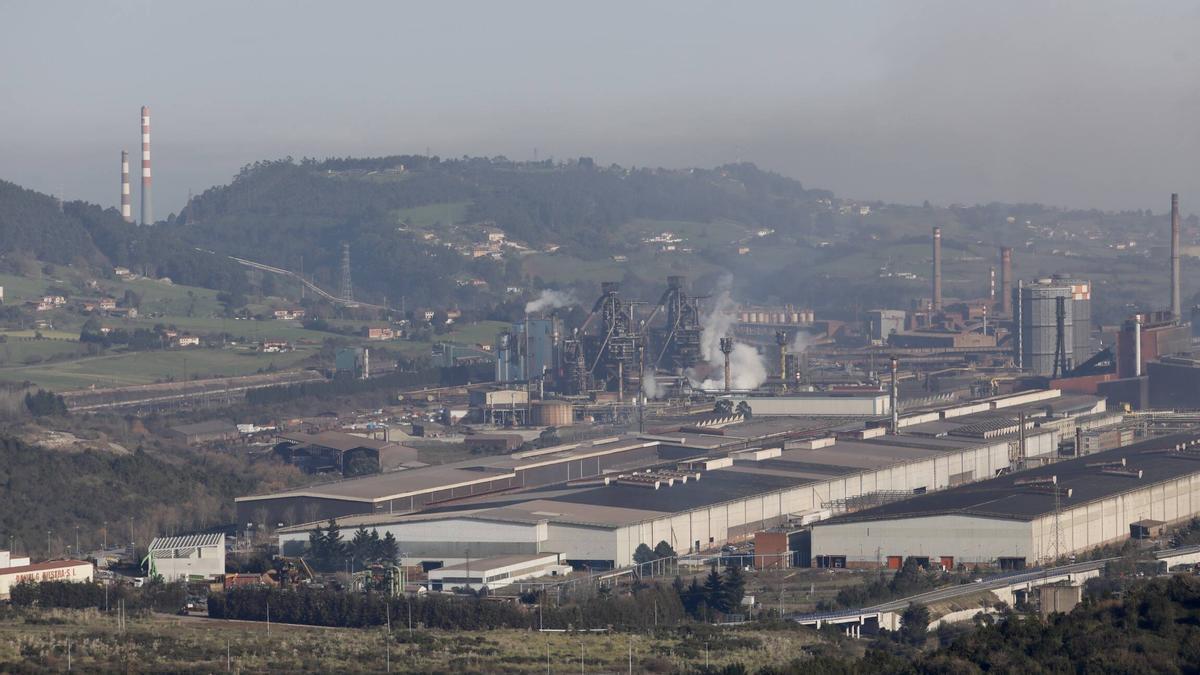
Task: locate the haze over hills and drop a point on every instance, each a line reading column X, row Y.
column 474, row 232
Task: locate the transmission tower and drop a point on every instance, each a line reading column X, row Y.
column 1056, row 529
column 347, row 286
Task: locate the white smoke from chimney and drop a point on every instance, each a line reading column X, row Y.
column 650, row 386
column 549, row 299
column 802, row 342
column 746, row 365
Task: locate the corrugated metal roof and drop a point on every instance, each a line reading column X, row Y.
column 187, row 541
column 1012, row 497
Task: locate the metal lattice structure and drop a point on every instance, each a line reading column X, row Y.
column 347, row 290
column 680, row 341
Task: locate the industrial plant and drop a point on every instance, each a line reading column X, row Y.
column 992, row 432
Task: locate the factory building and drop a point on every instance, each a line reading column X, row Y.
column 883, row 322
column 1144, row 338
column 594, row 503
column 834, row 404
column 197, row 556
column 18, row 569
column 693, row 504
column 501, row 406
column 416, row 489
column 940, row 338
column 1052, row 320
column 527, row 350
column 211, row 431
column 347, row 454
column 1025, row 518
column 353, row 362
column 493, row 573
column 1174, row 383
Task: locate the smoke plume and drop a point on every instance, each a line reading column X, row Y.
column 650, row 385
column 549, row 299
column 802, row 342
column 745, row 363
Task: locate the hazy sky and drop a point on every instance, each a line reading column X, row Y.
column 1072, row 103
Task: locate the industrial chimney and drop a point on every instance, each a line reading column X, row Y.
column 147, row 207
column 126, row 211
column 1176, row 312
column 1006, row 280
column 726, row 349
column 894, row 397
column 781, row 339
column 937, row 269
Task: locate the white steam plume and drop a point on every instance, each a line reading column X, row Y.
column 802, row 342
column 549, row 299
column 650, row 386
column 745, row 363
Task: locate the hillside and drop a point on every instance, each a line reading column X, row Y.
column 483, row 234
column 35, row 228
column 411, row 221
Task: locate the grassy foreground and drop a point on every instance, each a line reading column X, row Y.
column 37, row 641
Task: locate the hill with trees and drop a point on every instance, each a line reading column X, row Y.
column 298, row 214
column 1153, row 627
column 37, row 227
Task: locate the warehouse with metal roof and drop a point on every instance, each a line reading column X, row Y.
column 692, row 504
column 596, row 501
column 1027, row 517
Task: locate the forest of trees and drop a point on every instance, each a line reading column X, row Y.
column 284, row 211
column 155, row 595
column 327, row 551
column 48, row 491
column 1153, row 627
column 646, row 607
column 35, row 225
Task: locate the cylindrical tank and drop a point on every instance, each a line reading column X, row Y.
column 552, row 414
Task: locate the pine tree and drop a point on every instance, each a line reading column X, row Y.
column 360, row 545
column 643, row 554
column 334, row 549
column 374, row 547
column 734, row 587
column 714, row 591
column 664, row 550
column 389, row 549
column 316, row 543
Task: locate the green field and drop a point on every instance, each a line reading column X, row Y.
column 77, row 371
column 157, row 296
column 15, row 351
column 123, row 369
column 421, row 217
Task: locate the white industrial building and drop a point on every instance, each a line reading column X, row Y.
column 493, row 573
column 602, row 522
column 18, row 569
column 195, row 556
column 833, row 404
column 1028, row 517
column 594, row 503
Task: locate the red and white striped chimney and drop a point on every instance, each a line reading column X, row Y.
column 126, row 213
column 147, row 208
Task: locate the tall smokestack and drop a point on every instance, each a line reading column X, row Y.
column 781, row 339
column 992, row 283
column 894, row 397
column 1176, row 312
column 126, row 211
column 147, row 206
column 1006, row 280
column 937, row 269
column 727, row 349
